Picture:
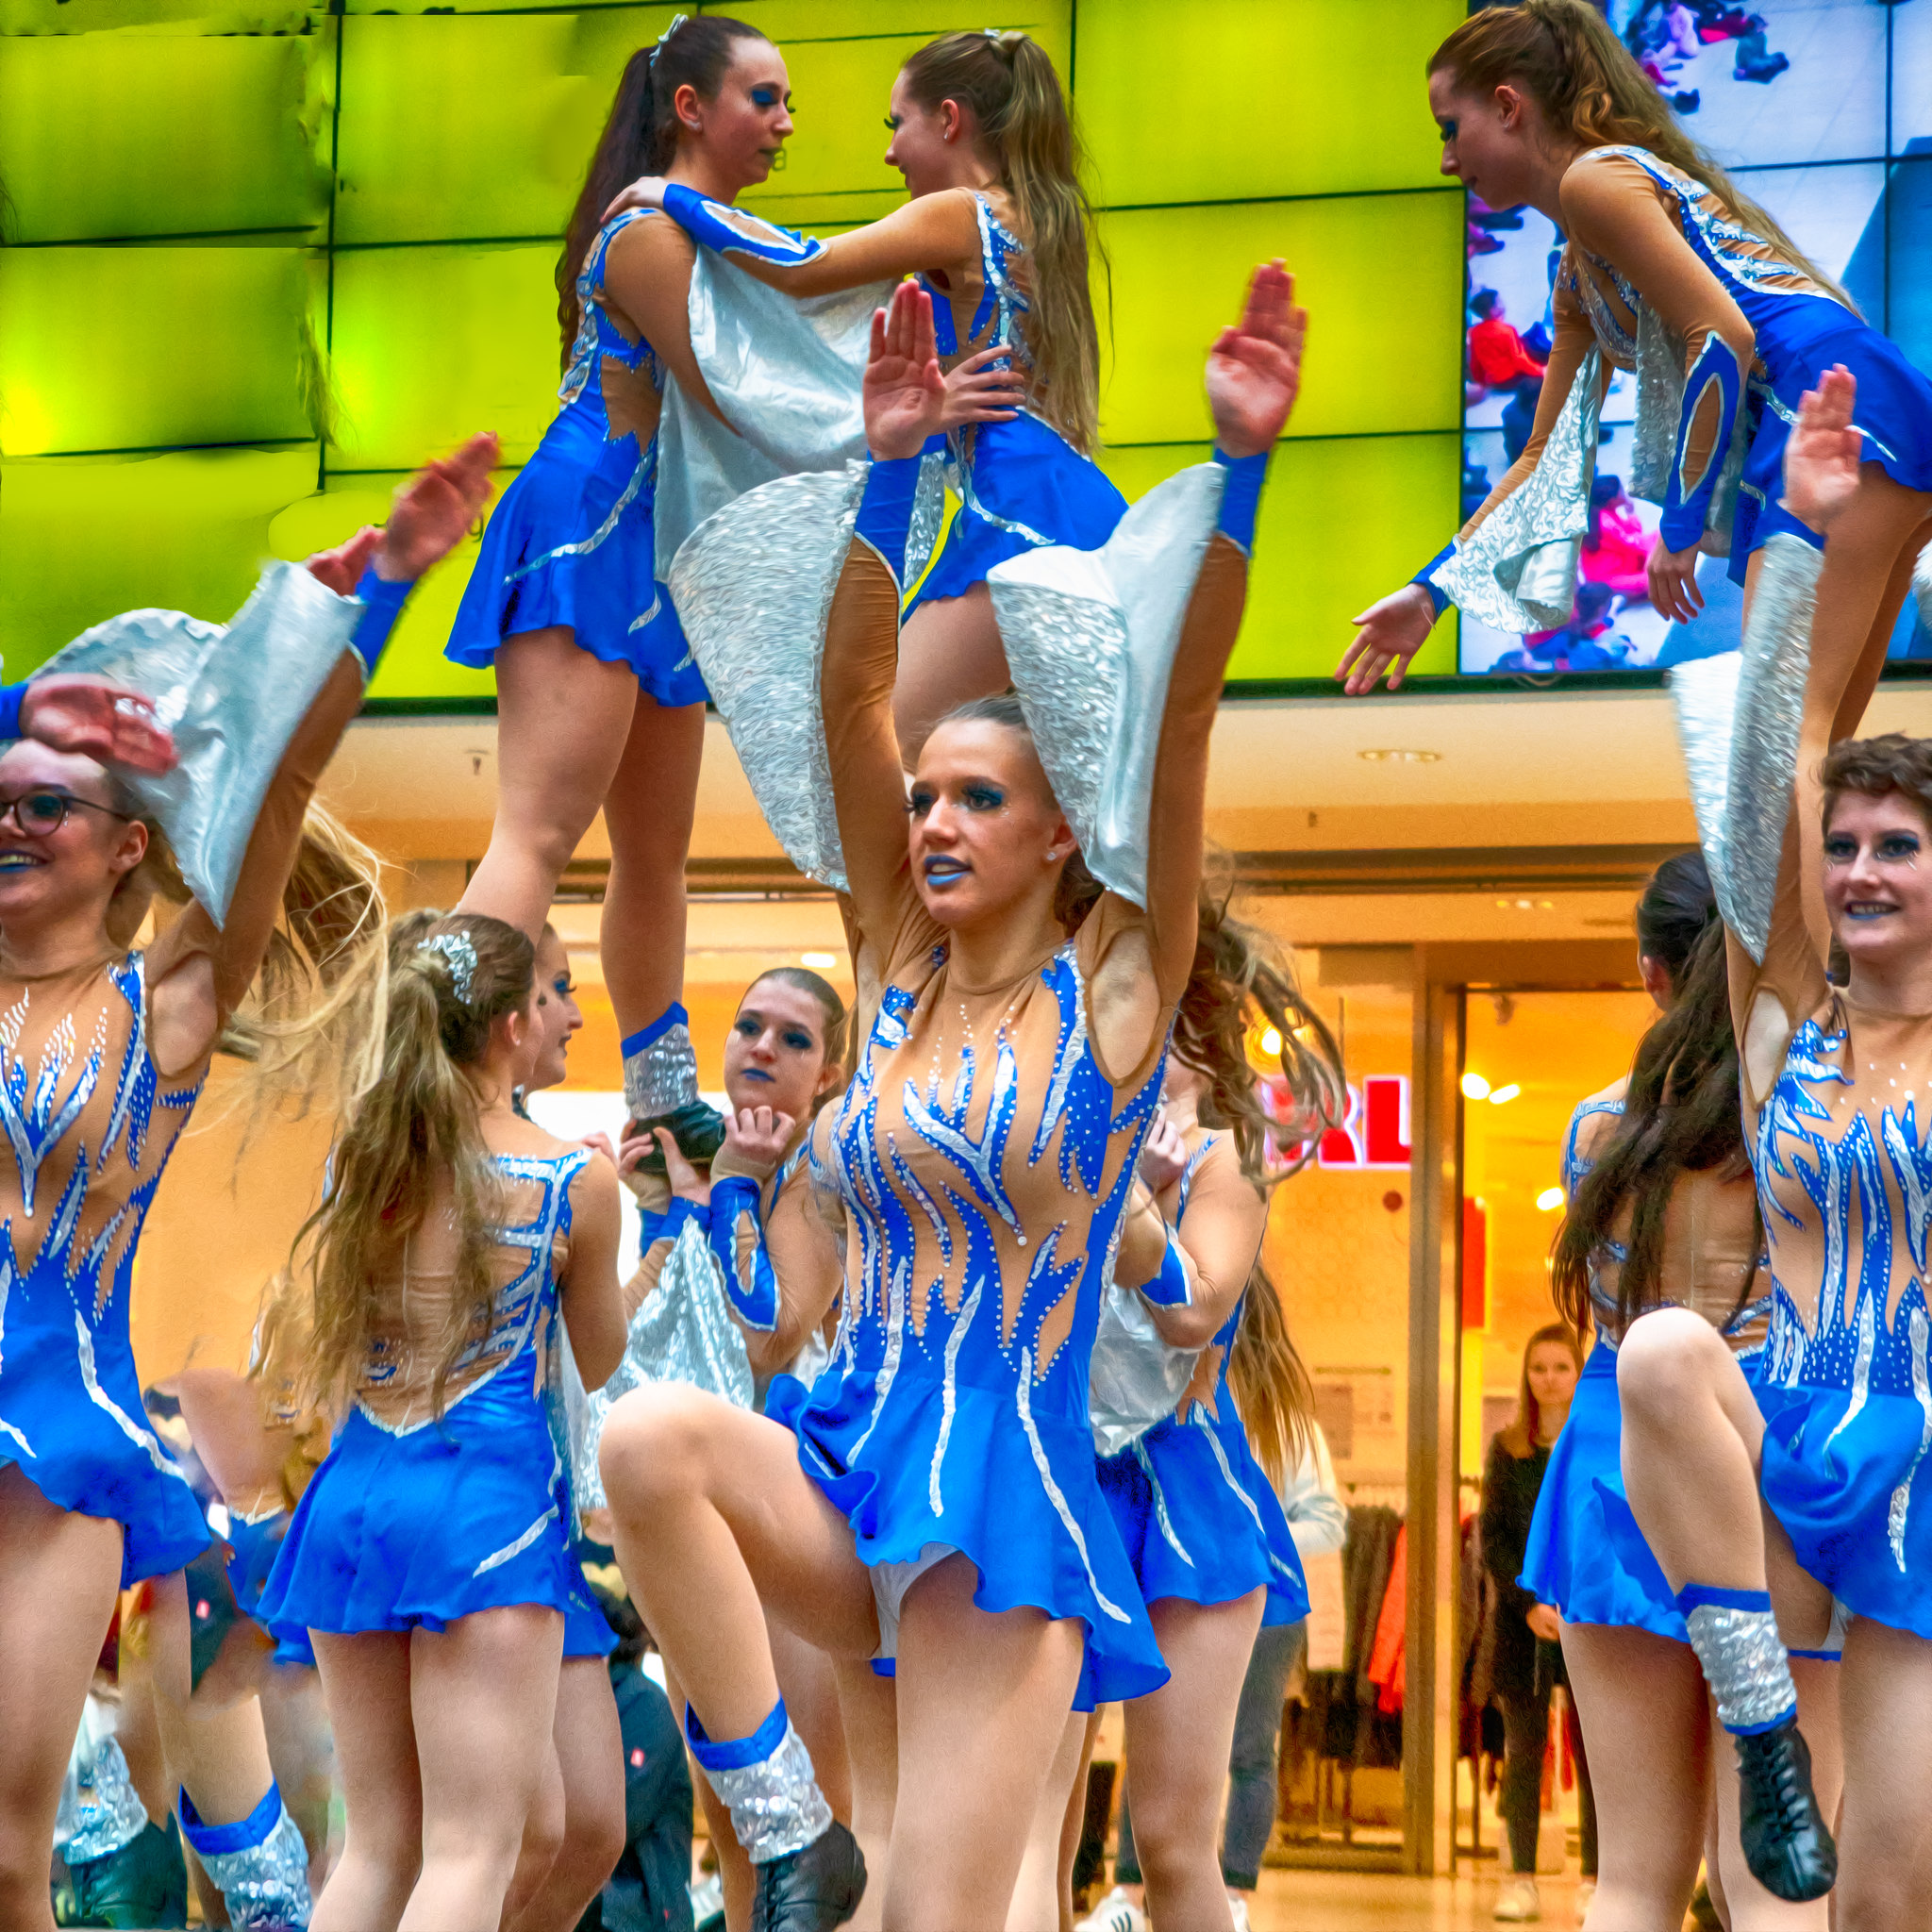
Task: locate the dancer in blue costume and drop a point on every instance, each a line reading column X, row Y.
column 429, row 1559
column 600, row 704
column 997, row 232
column 105, row 1052
column 1675, row 274
column 1662, row 1214
column 939, row 1501
column 1202, row 1521
column 1814, row 841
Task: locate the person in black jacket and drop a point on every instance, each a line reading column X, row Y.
column 1526, row 1656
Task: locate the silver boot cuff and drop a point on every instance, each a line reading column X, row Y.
column 663, row 1076
column 1745, row 1665
column 265, row 1887
column 101, row 1819
column 777, row 1807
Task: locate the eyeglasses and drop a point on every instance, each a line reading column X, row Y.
column 40, row 813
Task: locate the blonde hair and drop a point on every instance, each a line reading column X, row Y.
column 1009, row 83
column 1270, row 1381
column 1564, row 56
column 419, row 1119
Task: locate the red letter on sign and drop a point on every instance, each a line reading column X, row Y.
column 1385, row 1117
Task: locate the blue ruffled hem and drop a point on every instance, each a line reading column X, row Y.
column 75, row 1455
column 1024, row 474
column 404, row 1532
column 988, row 1497
column 1847, row 1482
column 1585, row 1552
column 1210, row 1535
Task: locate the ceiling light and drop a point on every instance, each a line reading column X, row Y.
column 819, row 960
column 1391, row 755
column 1475, row 1087
column 1271, row 1042
column 1550, row 1200
column 1501, row 1096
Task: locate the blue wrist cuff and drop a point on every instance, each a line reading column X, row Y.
column 12, row 696
column 382, row 602
column 1425, row 576
column 733, row 230
column 668, row 1225
column 884, row 511
column 1241, row 497
column 1168, row 1289
column 1686, row 514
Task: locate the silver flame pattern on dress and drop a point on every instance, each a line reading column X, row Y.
column 1744, row 1663
column 777, row 1807
column 1738, row 717
column 1090, row 637
column 683, row 1332
column 232, row 694
column 1921, row 1389
column 1517, row 570
column 753, row 588
column 265, row 1887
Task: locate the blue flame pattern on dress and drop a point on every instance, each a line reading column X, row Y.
column 81, row 1124
column 415, row 1520
column 954, row 1410
column 1195, row 1508
column 573, row 543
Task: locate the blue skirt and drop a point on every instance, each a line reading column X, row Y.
column 1028, row 486
column 572, row 544
column 396, row 1532
column 1797, row 341
column 1204, row 1527
column 1008, row 1524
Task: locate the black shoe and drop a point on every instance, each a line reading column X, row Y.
column 811, row 1890
column 1786, row 1844
column 697, row 1127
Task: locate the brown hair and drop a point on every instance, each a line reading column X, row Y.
column 1876, row 768
column 418, row 1117
column 1526, row 1429
column 1565, row 57
column 640, row 134
column 1009, row 84
column 833, row 1027
column 1269, row 1382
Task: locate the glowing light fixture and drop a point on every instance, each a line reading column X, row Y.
column 1550, row 1200
column 1400, row 755
column 1501, row 1096
column 1475, row 1087
column 1271, row 1041
column 818, row 960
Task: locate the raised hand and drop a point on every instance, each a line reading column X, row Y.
column 646, row 192
column 1254, row 368
column 903, row 393
column 1163, row 1155
column 97, row 719
column 341, row 568
column 1823, row 450
column 977, row 392
column 756, row 1138
column 1390, row 634
column 434, row 510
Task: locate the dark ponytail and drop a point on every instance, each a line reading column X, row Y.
column 640, row 136
column 1676, row 906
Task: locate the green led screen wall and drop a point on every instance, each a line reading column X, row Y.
column 265, row 257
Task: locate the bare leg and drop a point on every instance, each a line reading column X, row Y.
column 365, row 1681
column 562, row 719
column 811, row 1690
column 590, row 1757
column 869, row 1706
column 648, row 814
column 949, row 650
column 295, row 1722
column 1646, row 1723
column 214, row 1743
column 60, row 1573
column 1074, row 1821
column 1035, row 1904
column 1178, row 1740
column 983, row 1703
column 483, row 1700
column 1885, row 1692
column 543, row 1838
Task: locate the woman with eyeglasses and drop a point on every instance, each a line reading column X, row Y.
column 104, row 1050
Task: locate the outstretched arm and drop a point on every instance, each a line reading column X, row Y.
column 199, row 971
column 933, row 231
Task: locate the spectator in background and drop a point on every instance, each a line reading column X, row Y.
column 1616, row 547
column 1753, row 59
column 1501, row 364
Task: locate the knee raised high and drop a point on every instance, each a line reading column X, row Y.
column 1665, row 1364
column 654, row 1448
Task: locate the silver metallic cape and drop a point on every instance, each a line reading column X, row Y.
column 1922, row 584
column 753, row 586
column 1136, row 1379
column 786, row 374
column 1091, row 637
column 232, row 694
column 1517, row 572
column 1738, row 717
column 684, row 1332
